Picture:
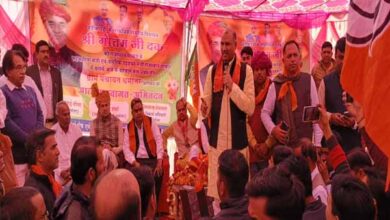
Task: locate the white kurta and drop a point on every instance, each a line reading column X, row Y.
column 65, row 142
column 245, row 101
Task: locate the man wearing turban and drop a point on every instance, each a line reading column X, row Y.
column 107, row 127
column 55, row 18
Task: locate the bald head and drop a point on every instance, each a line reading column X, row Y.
column 228, row 45
column 121, row 189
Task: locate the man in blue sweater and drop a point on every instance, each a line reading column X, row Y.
column 24, row 114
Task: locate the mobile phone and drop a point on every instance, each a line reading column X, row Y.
column 310, row 114
column 284, row 126
column 349, row 98
column 347, row 114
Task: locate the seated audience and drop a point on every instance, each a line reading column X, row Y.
column 184, row 131
column 87, row 165
column 314, row 208
column 362, row 168
column 116, row 196
column 275, row 194
column 66, row 135
column 233, row 174
column 349, row 193
column 43, row 156
column 279, row 153
column 350, row 199
column 23, row 203
column 144, row 176
column 309, row 152
column 143, row 143
column 7, row 171
column 107, row 127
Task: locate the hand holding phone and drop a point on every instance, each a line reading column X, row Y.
column 280, row 132
column 311, row 114
column 284, row 126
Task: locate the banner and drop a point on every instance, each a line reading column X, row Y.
column 130, row 50
column 260, row 36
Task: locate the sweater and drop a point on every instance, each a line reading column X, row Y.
column 24, row 116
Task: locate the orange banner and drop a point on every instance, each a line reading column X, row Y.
column 260, row 36
column 130, row 50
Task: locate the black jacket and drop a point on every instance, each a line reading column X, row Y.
column 234, row 209
column 42, row 184
column 72, row 204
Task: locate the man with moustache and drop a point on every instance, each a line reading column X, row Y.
column 24, row 114
column 287, row 96
column 48, row 79
column 228, row 99
column 43, row 157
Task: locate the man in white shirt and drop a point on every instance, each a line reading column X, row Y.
column 66, row 135
column 24, row 114
column 28, row 81
column 143, row 143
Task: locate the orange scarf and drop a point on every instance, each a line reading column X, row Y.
column 56, row 187
column 287, row 86
column 149, row 136
column 263, row 92
column 218, row 78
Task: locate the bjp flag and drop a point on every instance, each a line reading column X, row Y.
column 366, row 70
column 192, row 77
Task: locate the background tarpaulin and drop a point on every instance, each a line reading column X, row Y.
column 261, row 36
column 130, row 50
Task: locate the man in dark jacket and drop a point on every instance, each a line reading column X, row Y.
column 233, row 174
column 87, row 164
column 43, row 155
column 48, row 80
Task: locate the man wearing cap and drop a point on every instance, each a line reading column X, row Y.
column 56, row 18
column 261, row 65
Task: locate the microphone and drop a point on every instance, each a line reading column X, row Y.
column 225, row 69
column 225, row 66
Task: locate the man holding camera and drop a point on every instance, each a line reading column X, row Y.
column 287, row 96
column 330, row 95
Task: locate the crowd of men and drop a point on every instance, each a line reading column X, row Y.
column 265, row 161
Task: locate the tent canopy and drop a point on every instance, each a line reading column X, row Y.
column 268, row 6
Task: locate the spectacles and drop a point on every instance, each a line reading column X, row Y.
column 20, row 68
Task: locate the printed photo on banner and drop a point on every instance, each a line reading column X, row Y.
column 259, row 35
